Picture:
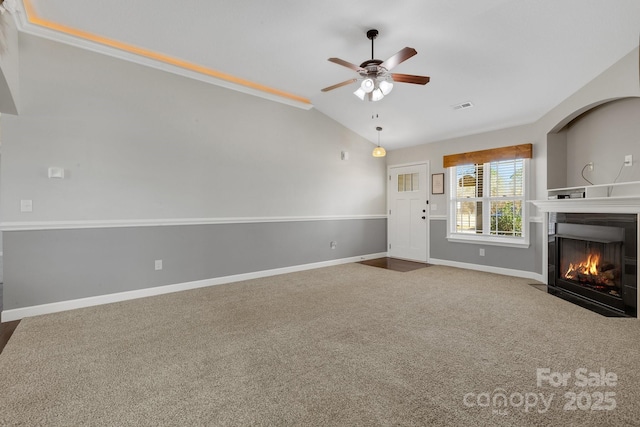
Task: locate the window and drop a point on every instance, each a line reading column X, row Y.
column 487, row 202
column 408, row 182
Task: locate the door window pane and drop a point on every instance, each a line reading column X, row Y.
column 408, row 182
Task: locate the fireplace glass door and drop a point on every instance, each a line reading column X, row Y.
column 593, row 261
column 595, row 265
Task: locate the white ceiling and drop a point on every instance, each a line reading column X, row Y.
column 514, row 59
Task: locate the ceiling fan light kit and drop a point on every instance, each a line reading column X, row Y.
column 377, row 95
column 375, row 79
column 385, row 86
column 373, row 90
column 368, row 85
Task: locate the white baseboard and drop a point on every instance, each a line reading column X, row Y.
column 489, row 269
column 55, row 307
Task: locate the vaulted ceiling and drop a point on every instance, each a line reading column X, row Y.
column 513, row 59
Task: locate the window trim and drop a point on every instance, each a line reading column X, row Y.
column 485, row 239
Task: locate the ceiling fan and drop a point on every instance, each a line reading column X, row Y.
column 375, row 79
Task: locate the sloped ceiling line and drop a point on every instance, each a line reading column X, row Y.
column 37, row 25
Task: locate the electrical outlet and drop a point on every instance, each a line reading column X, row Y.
column 590, row 166
column 26, row 205
column 628, row 160
column 333, row 245
column 481, row 251
column 158, row 264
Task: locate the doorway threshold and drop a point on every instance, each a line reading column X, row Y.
column 395, row 264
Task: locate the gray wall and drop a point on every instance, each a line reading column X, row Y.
column 557, row 160
column 604, row 136
column 608, row 149
column 57, row 265
column 139, row 145
column 441, row 248
column 9, row 57
column 523, row 259
column 434, row 153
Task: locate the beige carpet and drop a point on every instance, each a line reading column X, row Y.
column 348, row 345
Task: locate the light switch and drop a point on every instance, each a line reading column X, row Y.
column 55, row 172
column 26, row 205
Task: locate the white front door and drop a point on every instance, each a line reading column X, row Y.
column 408, row 212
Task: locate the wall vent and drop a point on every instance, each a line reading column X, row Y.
column 463, row 106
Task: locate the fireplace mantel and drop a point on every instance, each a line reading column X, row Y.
column 591, row 205
column 595, row 199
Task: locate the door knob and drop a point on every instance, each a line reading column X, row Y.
column 424, row 217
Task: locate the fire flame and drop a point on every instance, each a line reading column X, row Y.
column 588, row 267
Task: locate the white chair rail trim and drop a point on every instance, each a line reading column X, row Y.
column 118, row 223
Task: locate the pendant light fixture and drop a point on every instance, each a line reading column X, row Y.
column 379, row 151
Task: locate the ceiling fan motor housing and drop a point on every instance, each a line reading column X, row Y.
column 372, row 68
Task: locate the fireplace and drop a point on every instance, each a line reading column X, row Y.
column 592, row 261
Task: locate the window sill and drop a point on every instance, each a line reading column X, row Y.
column 489, row 240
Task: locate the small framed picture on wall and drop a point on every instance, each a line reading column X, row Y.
column 437, row 183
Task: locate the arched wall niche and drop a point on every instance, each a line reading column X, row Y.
column 601, row 133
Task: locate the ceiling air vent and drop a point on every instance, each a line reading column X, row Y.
column 463, row 106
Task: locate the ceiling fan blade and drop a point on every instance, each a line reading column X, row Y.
column 408, row 78
column 336, row 86
column 398, row 58
column 346, row 64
